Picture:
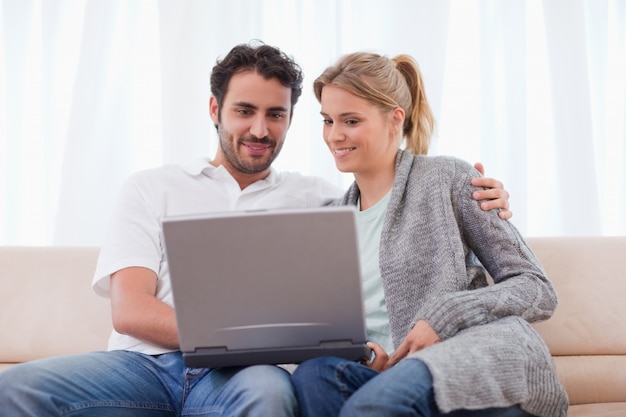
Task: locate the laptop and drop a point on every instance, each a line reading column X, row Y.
column 266, row 287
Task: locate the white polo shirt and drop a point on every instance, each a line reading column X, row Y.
column 134, row 238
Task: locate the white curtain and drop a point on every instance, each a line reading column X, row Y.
column 93, row 90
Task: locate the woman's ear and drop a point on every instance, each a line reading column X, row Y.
column 397, row 120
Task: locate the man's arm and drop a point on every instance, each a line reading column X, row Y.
column 137, row 312
column 495, row 195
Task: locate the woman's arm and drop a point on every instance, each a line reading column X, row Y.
column 521, row 286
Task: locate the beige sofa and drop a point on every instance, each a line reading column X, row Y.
column 47, row 308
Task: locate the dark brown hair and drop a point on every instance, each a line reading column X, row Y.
column 265, row 60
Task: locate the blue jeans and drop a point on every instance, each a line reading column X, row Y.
column 121, row 383
column 337, row 387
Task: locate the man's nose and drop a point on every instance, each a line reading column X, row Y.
column 259, row 127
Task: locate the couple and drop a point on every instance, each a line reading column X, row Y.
column 453, row 344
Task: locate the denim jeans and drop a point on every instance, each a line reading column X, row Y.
column 122, row 383
column 331, row 387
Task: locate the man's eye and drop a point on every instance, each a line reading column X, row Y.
column 243, row 112
column 277, row 116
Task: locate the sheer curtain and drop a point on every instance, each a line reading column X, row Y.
column 93, row 90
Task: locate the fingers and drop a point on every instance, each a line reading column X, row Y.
column 398, row 354
column 494, row 191
column 505, row 214
column 378, row 350
column 421, row 336
column 487, row 183
column 491, row 194
column 501, row 203
column 480, row 168
column 380, row 357
column 493, row 198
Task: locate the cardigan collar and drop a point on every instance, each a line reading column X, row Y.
column 404, row 161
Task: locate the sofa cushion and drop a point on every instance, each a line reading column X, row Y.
column 590, row 278
column 593, row 378
column 587, row 333
column 48, row 306
column 598, row 410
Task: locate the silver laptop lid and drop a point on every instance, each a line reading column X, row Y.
column 277, row 279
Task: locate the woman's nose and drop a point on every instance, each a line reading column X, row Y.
column 334, row 134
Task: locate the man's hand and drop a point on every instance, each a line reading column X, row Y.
column 495, row 195
column 380, row 357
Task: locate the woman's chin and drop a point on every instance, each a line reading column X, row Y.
column 342, row 167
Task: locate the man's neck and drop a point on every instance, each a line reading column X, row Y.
column 243, row 179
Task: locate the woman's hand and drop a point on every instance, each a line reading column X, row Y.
column 421, row 336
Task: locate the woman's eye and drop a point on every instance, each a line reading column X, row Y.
column 327, row 121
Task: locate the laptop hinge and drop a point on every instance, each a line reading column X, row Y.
column 336, row 343
column 211, row 350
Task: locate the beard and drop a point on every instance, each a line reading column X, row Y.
column 245, row 163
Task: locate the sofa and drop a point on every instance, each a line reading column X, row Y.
column 47, row 308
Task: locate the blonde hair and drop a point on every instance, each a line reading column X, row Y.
column 388, row 84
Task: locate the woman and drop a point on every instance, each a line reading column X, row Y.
column 460, row 346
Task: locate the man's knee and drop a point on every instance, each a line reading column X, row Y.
column 267, row 387
column 19, row 377
column 267, row 379
column 21, row 388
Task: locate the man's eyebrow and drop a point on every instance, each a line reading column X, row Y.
column 245, row 104
column 279, row 108
column 253, row 107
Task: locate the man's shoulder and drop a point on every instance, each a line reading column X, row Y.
column 155, row 171
column 164, row 173
column 304, row 182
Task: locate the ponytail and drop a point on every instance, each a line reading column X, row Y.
column 420, row 123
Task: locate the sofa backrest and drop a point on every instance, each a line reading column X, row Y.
column 587, row 333
column 47, row 305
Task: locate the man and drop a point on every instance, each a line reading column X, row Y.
column 254, row 90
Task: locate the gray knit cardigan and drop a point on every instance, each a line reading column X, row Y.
column 489, row 355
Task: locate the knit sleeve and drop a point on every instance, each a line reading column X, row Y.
column 521, row 287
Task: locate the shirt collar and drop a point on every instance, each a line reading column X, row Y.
column 198, row 166
column 203, row 166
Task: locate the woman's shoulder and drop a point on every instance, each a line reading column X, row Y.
column 451, row 165
column 443, row 161
column 422, row 171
